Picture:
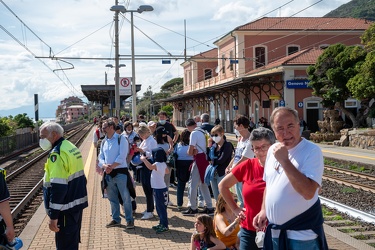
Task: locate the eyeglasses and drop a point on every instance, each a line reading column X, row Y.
column 216, row 135
column 263, row 148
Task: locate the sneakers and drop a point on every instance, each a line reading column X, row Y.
column 130, row 225
column 147, row 215
column 162, row 229
column 144, row 212
column 156, row 227
column 113, row 224
column 190, row 212
column 201, row 204
column 209, row 211
column 179, row 208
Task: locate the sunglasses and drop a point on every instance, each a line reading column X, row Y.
column 104, row 127
column 215, row 135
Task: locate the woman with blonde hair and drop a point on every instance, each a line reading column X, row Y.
column 145, row 149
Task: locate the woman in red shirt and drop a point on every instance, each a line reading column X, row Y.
column 250, row 173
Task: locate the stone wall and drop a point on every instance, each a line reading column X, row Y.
column 362, row 138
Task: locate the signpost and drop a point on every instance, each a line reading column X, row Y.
column 125, row 86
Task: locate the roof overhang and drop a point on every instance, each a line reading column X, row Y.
column 100, row 93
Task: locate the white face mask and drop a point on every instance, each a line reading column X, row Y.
column 129, row 131
column 162, row 122
column 237, row 132
column 45, row 144
column 216, row 138
column 199, row 124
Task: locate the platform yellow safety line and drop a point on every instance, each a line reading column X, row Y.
column 88, row 160
column 358, row 156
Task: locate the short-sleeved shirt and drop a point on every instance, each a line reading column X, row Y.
column 157, row 176
column 168, row 127
column 198, row 140
column 250, row 173
column 243, row 149
column 283, row 202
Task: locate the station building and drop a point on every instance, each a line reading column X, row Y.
column 259, row 66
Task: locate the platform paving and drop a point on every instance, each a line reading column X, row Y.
column 95, row 235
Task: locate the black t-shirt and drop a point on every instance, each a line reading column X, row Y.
column 4, row 193
column 168, row 127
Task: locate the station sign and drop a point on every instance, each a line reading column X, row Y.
column 297, row 84
column 235, row 107
column 125, row 86
column 300, row 104
column 282, row 103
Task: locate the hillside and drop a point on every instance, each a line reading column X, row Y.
column 364, row 9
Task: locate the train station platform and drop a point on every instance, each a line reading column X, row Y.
column 95, row 235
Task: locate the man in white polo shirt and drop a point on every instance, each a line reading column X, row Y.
column 197, row 148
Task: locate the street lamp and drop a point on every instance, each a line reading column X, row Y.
column 117, row 9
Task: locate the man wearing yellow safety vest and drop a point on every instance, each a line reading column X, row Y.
column 64, row 187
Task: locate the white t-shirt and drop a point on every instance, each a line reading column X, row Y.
column 282, row 200
column 198, row 140
column 157, row 175
column 243, row 149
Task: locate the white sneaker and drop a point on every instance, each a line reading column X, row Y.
column 170, row 203
column 147, row 215
column 144, row 212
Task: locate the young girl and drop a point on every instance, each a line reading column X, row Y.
column 205, row 237
column 227, row 225
column 159, row 169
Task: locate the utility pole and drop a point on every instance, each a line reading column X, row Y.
column 117, row 68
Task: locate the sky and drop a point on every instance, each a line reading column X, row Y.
column 31, row 29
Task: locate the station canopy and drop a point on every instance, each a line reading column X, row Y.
column 103, row 93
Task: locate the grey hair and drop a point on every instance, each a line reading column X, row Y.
column 283, row 109
column 52, row 126
column 262, row 133
column 205, row 117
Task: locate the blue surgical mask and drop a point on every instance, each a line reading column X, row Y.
column 162, row 122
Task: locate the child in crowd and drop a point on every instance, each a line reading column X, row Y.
column 159, row 169
column 205, row 237
column 227, row 225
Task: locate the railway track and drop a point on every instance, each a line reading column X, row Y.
column 348, row 198
column 25, row 183
column 350, row 178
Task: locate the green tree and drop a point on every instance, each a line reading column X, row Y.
column 168, row 109
column 330, row 75
column 173, row 85
column 23, row 121
column 5, row 129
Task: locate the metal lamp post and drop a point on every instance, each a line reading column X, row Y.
column 140, row 9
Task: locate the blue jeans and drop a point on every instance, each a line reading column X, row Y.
column 239, row 193
column 117, row 185
column 298, row 244
column 161, row 202
column 247, row 239
column 215, row 185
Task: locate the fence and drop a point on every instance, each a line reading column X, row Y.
column 13, row 143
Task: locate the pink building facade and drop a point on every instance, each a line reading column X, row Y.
column 259, row 66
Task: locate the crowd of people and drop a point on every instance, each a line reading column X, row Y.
column 263, row 189
column 262, row 193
